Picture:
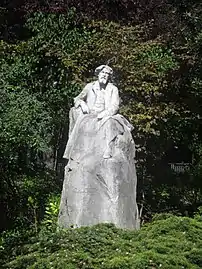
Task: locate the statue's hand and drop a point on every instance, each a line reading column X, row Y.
column 102, row 114
column 84, row 107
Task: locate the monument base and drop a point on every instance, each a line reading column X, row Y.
column 98, row 190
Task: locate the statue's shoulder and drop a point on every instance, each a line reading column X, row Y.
column 89, row 85
column 112, row 86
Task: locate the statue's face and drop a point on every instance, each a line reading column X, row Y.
column 103, row 76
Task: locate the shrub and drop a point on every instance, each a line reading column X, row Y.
column 173, row 242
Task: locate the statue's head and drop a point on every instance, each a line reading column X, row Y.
column 104, row 72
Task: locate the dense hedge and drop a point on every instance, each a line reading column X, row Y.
column 167, row 242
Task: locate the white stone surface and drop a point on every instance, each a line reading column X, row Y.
column 100, row 177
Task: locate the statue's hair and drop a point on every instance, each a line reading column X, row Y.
column 101, row 67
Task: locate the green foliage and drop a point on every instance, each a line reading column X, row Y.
column 51, row 211
column 24, row 121
column 36, row 92
column 159, row 78
column 171, row 242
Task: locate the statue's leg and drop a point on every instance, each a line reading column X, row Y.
column 71, row 120
column 108, row 151
column 112, row 129
column 74, row 113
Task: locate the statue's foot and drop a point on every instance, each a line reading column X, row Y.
column 107, row 154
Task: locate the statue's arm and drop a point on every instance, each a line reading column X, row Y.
column 80, row 100
column 114, row 104
column 81, row 97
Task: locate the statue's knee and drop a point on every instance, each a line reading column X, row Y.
column 75, row 112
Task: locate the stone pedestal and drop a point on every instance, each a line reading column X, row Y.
column 98, row 190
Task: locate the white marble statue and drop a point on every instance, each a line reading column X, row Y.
column 100, row 176
column 99, row 101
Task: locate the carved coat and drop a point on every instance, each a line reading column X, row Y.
column 89, row 96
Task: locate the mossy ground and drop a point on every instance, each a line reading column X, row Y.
column 167, row 242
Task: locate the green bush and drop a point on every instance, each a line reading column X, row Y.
column 51, row 211
column 171, row 242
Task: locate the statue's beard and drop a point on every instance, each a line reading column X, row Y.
column 103, row 81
